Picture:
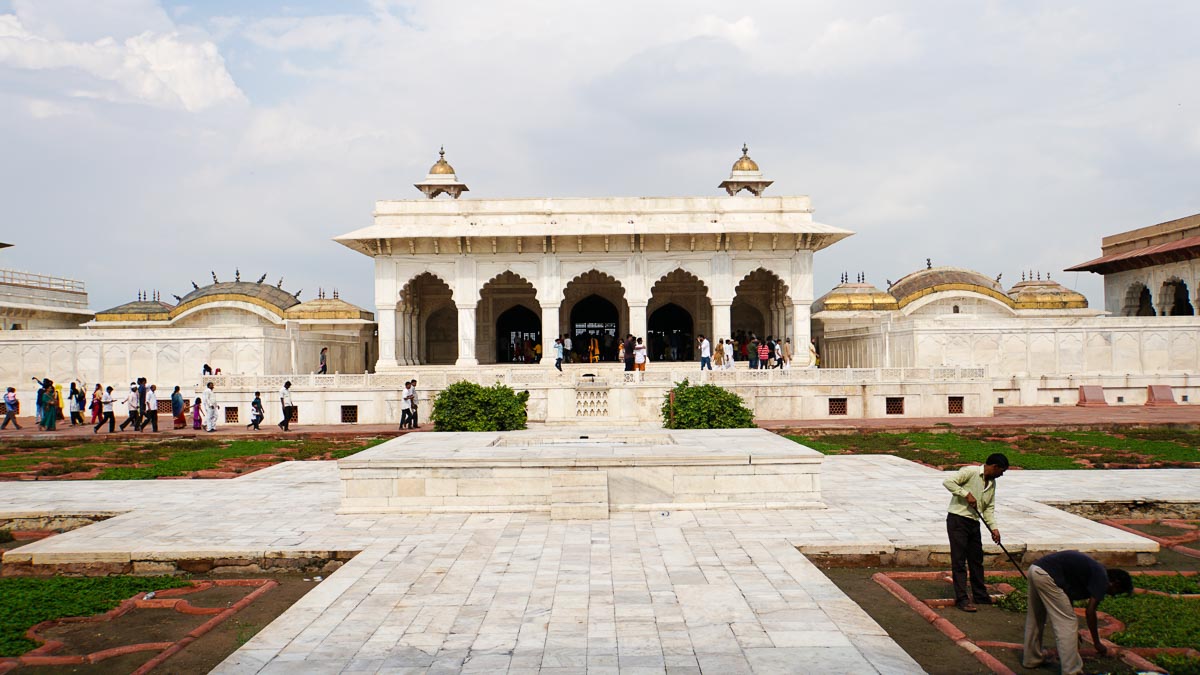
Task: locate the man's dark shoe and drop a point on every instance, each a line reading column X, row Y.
column 985, row 600
column 968, row 607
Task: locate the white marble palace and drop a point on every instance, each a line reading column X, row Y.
column 465, row 282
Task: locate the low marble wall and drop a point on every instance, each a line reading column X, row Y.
column 657, row 471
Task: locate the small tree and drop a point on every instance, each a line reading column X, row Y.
column 706, row 406
column 466, row 406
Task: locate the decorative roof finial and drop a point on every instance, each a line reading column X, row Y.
column 280, row 284
column 297, row 296
column 262, row 278
column 177, row 298
column 1039, row 276
column 745, row 150
column 745, row 175
column 1022, row 275
column 928, row 264
column 1047, row 276
column 237, row 274
column 335, row 293
column 195, row 287
column 998, row 277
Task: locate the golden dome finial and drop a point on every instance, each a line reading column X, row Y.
column 441, row 167
column 744, row 163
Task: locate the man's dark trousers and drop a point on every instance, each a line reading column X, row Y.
column 966, row 554
column 629, row 364
column 150, row 419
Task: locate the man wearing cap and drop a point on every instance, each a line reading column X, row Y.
column 974, row 497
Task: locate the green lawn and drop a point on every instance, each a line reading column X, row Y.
column 142, row 458
column 1054, row 450
column 26, row 602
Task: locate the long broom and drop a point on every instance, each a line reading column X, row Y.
column 1010, row 556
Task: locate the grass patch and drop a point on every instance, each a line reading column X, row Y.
column 26, row 602
column 1054, row 450
column 184, row 462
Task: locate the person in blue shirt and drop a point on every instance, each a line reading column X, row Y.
column 1055, row 581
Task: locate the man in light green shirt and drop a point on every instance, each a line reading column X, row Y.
column 974, row 495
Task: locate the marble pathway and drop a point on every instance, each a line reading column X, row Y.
column 699, row 591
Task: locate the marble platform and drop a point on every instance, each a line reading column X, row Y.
column 581, row 473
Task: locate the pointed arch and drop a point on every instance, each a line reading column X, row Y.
column 762, row 305
column 429, row 318
column 1138, row 301
column 603, row 313
column 494, row 331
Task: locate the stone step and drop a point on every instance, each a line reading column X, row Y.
column 579, row 495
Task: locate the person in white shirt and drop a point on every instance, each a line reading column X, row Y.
column 639, row 355
column 728, row 363
column 106, row 411
column 209, row 401
column 285, row 401
column 150, row 417
column 406, row 400
column 416, row 402
column 705, row 353
column 567, row 345
column 132, row 405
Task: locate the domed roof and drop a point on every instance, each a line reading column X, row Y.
column 854, row 297
column 441, row 167
column 271, row 298
column 937, row 279
column 138, row 310
column 744, row 163
column 322, row 308
column 1046, row 294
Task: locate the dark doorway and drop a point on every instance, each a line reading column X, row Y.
column 1182, row 304
column 594, row 329
column 518, row 331
column 1145, row 308
column 441, row 336
column 670, row 333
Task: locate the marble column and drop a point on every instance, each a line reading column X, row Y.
column 801, row 334
column 387, row 339
column 637, row 320
column 549, row 333
column 721, row 320
column 402, row 355
column 414, row 337
column 466, row 336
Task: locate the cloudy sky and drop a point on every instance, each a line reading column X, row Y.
column 144, row 143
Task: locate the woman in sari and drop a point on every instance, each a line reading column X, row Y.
column 50, row 404
column 97, row 394
column 196, row 419
column 178, row 408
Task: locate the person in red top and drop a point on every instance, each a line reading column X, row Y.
column 764, row 354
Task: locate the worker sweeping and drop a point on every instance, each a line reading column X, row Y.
column 1055, row 581
column 974, row 496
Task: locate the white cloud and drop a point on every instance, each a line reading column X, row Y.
column 162, row 69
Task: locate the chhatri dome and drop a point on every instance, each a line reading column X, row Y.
column 745, row 176
column 441, row 179
column 1045, row 294
column 854, row 296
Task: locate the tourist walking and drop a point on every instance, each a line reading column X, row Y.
column 106, row 412
column 12, row 406
column 705, row 352
column 1055, row 581
column 285, row 402
column 778, row 354
column 640, row 356
column 406, row 400
column 973, row 490
column 178, row 409
column 132, row 408
column 96, row 406
column 719, row 355
column 752, row 352
column 728, row 350
column 75, row 404
column 197, row 414
column 256, row 412
column 150, row 413
column 787, row 353
column 50, row 405
column 324, row 361
column 814, row 356
column 629, row 345
column 41, row 384
column 558, row 353
column 416, row 405
column 764, row 353
column 210, row 408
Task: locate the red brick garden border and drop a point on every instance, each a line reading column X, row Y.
column 1191, row 532
column 167, row 599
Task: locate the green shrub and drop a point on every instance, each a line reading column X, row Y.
column 706, row 406
column 466, row 406
column 6, row 536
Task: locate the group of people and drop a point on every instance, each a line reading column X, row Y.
column 760, row 354
column 141, row 402
column 1055, row 580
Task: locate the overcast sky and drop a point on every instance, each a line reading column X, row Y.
column 143, row 143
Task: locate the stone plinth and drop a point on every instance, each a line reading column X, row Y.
column 1160, row 395
column 1091, row 395
column 575, row 473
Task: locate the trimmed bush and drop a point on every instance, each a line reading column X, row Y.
column 466, row 406
column 706, row 406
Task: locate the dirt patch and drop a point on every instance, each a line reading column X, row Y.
column 144, row 625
